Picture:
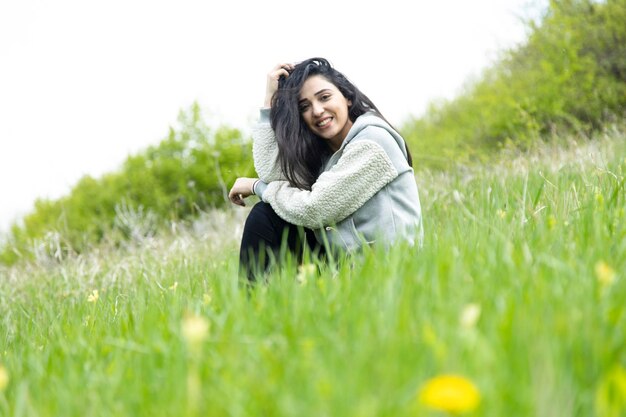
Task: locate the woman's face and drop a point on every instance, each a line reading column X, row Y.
column 325, row 110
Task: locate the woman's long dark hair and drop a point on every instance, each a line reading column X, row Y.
column 301, row 153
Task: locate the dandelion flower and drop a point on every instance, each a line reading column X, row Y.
column 4, row 378
column 195, row 329
column 450, row 393
column 469, row 316
column 604, row 273
column 93, row 297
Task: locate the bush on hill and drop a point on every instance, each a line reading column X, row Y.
column 570, row 75
column 187, row 172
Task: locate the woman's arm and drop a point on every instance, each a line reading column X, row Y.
column 363, row 169
column 265, row 150
column 264, row 146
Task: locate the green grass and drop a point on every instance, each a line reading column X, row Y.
column 520, row 239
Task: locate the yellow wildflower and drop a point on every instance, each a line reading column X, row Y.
column 604, row 273
column 4, row 378
column 469, row 316
column 93, row 297
column 195, row 329
column 450, row 393
column 174, row 286
column 501, row 213
column 206, row 298
column 599, row 198
column 304, row 272
column 610, row 399
column 551, row 222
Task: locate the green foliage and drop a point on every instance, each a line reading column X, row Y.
column 187, row 172
column 520, row 288
column 570, row 75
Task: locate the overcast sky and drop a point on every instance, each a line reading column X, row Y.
column 83, row 83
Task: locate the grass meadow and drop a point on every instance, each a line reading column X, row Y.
column 519, row 290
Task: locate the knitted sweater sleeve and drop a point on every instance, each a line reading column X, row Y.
column 363, row 169
column 265, row 150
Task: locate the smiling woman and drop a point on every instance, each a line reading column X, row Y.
column 334, row 175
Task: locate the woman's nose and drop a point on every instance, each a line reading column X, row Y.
column 318, row 109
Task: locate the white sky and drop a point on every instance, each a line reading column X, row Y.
column 84, row 83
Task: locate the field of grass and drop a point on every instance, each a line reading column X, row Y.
column 519, row 289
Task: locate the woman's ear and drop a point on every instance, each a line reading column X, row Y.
column 349, row 103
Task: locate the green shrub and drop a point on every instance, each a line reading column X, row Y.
column 187, row 172
column 570, row 75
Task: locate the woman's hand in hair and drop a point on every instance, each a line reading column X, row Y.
column 241, row 189
column 272, row 81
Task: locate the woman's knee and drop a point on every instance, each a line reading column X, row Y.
column 263, row 224
column 261, row 213
column 261, row 220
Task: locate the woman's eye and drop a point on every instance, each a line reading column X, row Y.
column 325, row 97
column 303, row 108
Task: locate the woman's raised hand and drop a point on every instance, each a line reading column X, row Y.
column 272, row 81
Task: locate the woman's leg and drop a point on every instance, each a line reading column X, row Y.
column 266, row 238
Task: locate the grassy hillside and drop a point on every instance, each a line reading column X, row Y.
column 519, row 289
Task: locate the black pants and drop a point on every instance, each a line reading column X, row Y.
column 267, row 239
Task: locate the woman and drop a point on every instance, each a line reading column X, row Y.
column 333, row 174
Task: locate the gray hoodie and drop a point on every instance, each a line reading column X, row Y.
column 366, row 192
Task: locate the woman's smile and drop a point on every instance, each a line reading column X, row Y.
column 325, row 122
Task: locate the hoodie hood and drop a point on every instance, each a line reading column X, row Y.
column 372, row 119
